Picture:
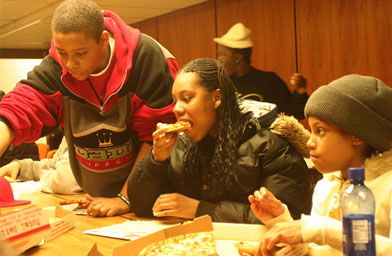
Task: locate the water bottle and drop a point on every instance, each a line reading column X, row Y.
column 358, row 207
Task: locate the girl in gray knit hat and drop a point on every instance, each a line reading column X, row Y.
column 351, row 126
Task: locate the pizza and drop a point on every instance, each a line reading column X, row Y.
column 9, row 179
column 179, row 126
column 82, row 203
column 202, row 243
column 246, row 249
column 280, row 249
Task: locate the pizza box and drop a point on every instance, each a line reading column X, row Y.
column 60, row 221
column 228, row 234
column 25, row 228
column 225, row 234
column 33, row 226
column 201, row 224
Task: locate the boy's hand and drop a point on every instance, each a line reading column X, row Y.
column 102, row 206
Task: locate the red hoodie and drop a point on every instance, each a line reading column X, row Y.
column 103, row 140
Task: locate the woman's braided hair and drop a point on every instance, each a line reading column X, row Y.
column 219, row 174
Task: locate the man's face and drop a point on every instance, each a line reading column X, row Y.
column 79, row 55
column 226, row 56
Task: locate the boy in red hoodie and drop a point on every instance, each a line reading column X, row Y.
column 107, row 85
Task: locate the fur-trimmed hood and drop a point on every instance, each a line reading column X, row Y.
column 287, row 127
column 377, row 165
column 293, row 131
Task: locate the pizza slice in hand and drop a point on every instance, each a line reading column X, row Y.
column 81, row 203
column 246, row 249
column 178, row 126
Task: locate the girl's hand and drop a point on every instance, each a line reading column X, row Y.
column 11, row 170
column 265, row 205
column 175, row 205
column 281, row 233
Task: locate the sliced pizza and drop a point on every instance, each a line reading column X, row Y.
column 178, row 126
column 202, row 243
column 9, row 179
column 82, row 203
column 246, row 249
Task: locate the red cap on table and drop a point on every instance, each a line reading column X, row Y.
column 7, row 196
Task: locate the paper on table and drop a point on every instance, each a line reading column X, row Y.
column 26, row 187
column 129, row 230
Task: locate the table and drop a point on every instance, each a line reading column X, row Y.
column 74, row 241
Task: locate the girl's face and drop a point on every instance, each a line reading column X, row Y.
column 195, row 104
column 332, row 150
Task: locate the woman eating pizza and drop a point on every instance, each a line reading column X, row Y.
column 217, row 159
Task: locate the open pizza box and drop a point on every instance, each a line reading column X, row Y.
column 202, row 224
column 25, row 228
column 225, row 234
column 60, row 221
column 32, row 226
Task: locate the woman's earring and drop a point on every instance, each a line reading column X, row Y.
column 355, row 141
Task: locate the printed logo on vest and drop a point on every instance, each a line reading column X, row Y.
column 105, row 158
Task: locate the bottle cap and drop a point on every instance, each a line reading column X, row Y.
column 356, row 173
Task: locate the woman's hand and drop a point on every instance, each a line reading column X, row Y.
column 102, row 206
column 265, row 205
column 175, row 205
column 163, row 142
column 11, row 170
column 282, row 232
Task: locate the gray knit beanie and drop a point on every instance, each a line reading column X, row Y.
column 359, row 105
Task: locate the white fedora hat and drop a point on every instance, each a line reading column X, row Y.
column 238, row 36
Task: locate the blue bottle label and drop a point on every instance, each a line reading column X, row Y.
column 358, row 235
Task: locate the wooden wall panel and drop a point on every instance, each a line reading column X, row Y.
column 188, row 33
column 341, row 37
column 272, row 25
column 149, row 27
column 23, row 54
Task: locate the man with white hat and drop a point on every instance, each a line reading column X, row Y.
column 234, row 51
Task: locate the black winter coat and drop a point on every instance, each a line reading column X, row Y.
column 264, row 160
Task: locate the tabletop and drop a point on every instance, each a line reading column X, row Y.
column 74, row 241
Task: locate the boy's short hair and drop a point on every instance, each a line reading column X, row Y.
column 359, row 105
column 79, row 16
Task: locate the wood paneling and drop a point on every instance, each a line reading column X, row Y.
column 149, row 27
column 188, row 33
column 341, row 37
column 334, row 37
column 272, row 25
column 22, row 54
